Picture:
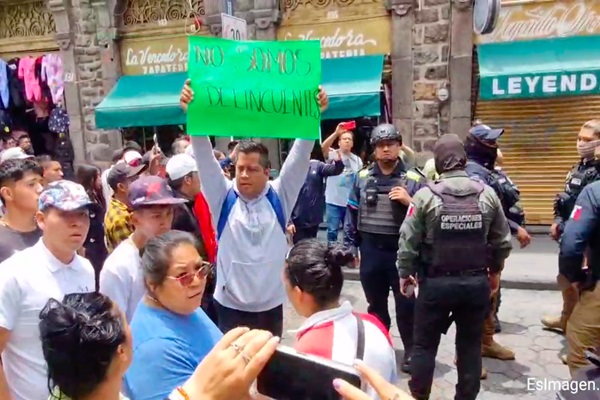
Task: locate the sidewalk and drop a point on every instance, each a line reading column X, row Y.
column 533, row 268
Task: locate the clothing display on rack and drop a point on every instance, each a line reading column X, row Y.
column 32, row 100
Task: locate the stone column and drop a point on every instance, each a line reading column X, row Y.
column 64, row 36
column 461, row 62
column 106, row 36
column 431, row 52
column 402, row 68
column 89, row 77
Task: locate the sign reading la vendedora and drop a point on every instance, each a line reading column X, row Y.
column 154, row 55
column 540, row 85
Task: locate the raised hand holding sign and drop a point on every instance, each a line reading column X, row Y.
column 254, row 89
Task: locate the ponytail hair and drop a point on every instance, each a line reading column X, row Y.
column 316, row 268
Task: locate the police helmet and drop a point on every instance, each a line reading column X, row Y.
column 385, row 132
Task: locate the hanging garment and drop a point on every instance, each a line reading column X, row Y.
column 16, row 87
column 4, row 92
column 33, row 91
column 41, row 79
column 52, row 73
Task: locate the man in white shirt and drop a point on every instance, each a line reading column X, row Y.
column 250, row 215
column 152, row 202
column 28, row 279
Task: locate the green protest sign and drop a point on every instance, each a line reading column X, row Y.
column 254, row 89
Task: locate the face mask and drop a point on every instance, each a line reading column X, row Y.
column 586, row 149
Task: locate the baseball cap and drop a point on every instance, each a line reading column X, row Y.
column 14, row 153
column 180, row 165
column 151, row 190
column 64, row 195
column 132, row 158
column 484, row 132
column 120, row 172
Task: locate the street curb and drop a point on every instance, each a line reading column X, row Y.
column 509, row 283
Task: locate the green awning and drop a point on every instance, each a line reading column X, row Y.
column 353, row 85
column 539, row 68
column 142, row 100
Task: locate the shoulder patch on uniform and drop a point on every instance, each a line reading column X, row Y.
column 576, row 213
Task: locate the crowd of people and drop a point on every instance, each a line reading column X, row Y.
column 165, row 278
column 130, row 296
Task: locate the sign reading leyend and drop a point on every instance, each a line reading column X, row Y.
column 540, row 85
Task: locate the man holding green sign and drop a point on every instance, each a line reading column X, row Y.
column 254, row 89
column 263, row 94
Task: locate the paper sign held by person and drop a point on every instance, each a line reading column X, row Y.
column 254, row 89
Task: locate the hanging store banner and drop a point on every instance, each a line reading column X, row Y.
column 346, row 38
column 154, row 56
column 560, row 18
column 539, row 68
column 254, row 89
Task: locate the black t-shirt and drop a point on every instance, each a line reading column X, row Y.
column 12, row 242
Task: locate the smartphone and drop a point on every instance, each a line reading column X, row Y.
column 290, row 375
column 350, row 125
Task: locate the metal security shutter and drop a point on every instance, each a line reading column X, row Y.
column 539, row 145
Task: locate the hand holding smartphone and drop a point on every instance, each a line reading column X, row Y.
column 290, row 375
column 350, row 125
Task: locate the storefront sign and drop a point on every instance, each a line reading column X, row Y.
column 542, row 85
column 254, row 89
column 554, row 19
column 154, row 56
column 344, row 39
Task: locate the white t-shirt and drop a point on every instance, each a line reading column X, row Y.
column 28, row 280
column 121, row 278
column 107, row 191
column 338, row 187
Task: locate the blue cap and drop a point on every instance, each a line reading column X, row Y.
column 64, row 195
column 484, row 132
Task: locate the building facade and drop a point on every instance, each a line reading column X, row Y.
column 427, row 45
column 547, row 87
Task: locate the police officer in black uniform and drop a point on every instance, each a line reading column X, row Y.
column 582, row 174
column 482, row 151
column 454, row 235
column 376, row 208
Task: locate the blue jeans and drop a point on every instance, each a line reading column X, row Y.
column 335, row 216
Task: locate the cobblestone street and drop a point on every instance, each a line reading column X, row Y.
column 537, row 351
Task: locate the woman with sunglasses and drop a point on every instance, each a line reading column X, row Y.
column 171, row 333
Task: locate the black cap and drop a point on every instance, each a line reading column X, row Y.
column 121, row 172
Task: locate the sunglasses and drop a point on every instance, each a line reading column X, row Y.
column 203, row 269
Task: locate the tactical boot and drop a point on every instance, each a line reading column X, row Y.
column 494, row 349
column 483, row 373
column 554, row 323
column 563, row 358
column 570, row 298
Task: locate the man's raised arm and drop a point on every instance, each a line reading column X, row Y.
column 214, row 183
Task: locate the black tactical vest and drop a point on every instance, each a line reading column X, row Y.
column 377, row 214
column 579, row 178
column 459, row 236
